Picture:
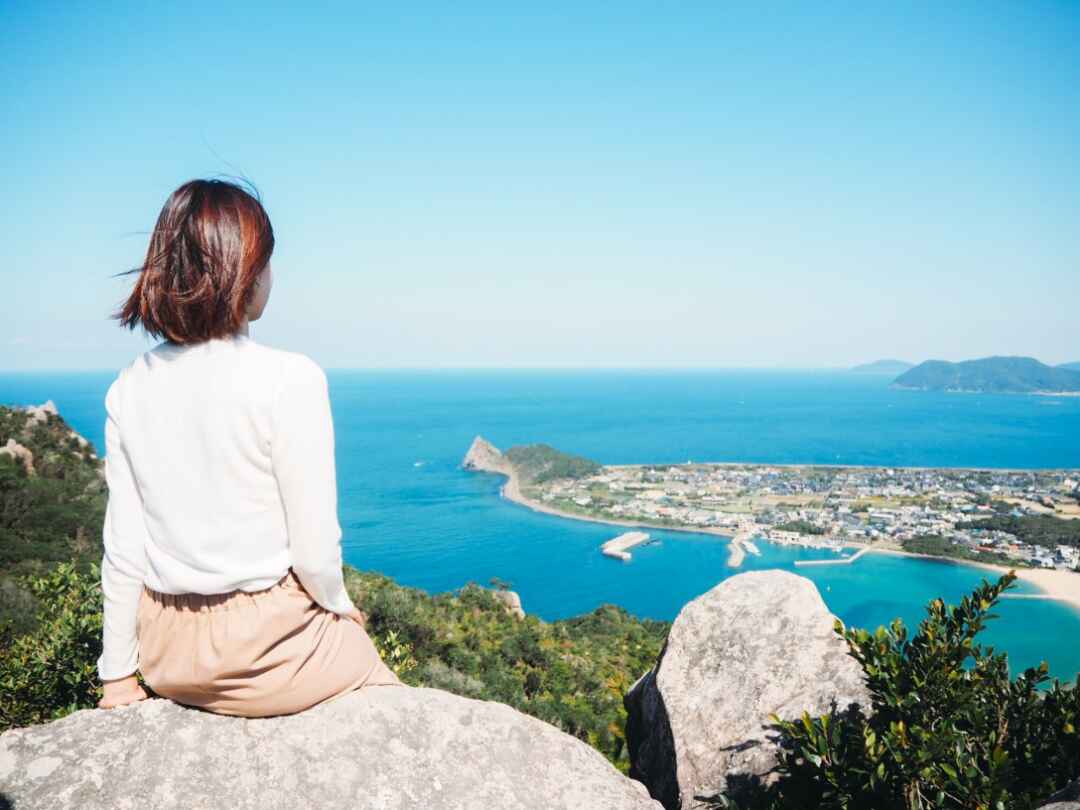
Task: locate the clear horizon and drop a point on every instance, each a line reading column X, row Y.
column 538, row 367
column 493, row 188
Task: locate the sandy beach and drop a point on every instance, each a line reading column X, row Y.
column 1063, row 586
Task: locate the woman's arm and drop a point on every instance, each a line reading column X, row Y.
column 122, row 569
column 303, row 459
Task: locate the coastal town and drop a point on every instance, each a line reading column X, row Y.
column 1027, row 521
column 834, row 507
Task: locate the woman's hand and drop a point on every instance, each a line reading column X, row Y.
column 357, row 616
column 121, row 692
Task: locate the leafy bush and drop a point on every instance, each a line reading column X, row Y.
column 396, row 653
column 52, row 671
column 947, row 727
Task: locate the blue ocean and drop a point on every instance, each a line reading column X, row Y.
column 408, row 509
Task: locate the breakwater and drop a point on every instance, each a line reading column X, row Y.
column 841, row 561
column 618, row 546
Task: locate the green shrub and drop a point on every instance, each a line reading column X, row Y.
column 571, row 673
column 52, row 670
column 946, row 727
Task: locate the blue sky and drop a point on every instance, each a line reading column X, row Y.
column 573, row 185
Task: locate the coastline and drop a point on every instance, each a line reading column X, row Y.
column 896, row 387
column 1061, row 586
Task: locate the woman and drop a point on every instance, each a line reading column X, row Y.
column 222, row 572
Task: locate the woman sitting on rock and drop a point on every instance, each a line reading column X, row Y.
column 222, row 571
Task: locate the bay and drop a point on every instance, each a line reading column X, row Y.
column 407, row 508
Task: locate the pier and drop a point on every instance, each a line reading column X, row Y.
column 740, row 544
column 617, row 547
column 844, row 561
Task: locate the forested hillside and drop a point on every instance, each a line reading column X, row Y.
column 52, row 504
column 537, row 463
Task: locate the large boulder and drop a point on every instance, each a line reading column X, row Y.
column 380, row 747
column 758, row 643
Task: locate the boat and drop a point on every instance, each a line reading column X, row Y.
column 753, row 549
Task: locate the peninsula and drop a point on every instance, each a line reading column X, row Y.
column 992, row 375
column 1023, row 519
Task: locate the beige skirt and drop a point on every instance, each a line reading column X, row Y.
column 254, row 654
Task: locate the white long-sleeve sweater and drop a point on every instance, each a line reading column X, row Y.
column 219, row 459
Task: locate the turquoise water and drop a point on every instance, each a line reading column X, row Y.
column 408, row 510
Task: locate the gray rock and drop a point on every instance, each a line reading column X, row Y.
column 40, row 413
column 483, row 456
column 380, row 747
column 1066, row 799
column 512, row 601
column 19, row 453
column 758, row 643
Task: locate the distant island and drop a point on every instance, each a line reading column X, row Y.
column 887, row 366
column 991, row 375
column 1071, row 366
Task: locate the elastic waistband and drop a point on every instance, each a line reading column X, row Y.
column 203, row 602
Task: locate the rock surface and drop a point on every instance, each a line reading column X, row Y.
column 381, row 747
column 1067, row 799
column 485, row 457
column 758, row 643
column 19, row 453
column 40, row 413
column 512, row 600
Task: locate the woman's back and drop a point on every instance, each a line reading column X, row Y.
column 203, row 427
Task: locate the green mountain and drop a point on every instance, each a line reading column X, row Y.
column 887, row 366
column 990, row 375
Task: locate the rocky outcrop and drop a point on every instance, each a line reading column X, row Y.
column 1067, row 799
column 19, row 453
column 83, row 443
column 39, row 414
column 512, row 601
column 381, row 747
column 758, row 643
column 483, row 456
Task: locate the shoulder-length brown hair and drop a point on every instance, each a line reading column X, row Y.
column 211, row 242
